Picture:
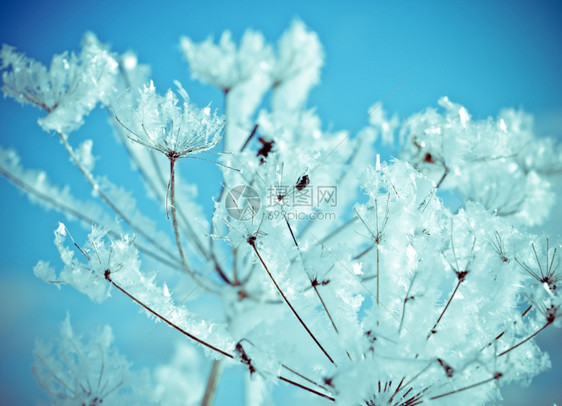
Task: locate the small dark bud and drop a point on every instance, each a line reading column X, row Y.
column 303, row 182
column 266, row 147
column 428, row 158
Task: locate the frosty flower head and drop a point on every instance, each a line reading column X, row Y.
column 300, row 53
column 160, row 123
column 87, row 272
column 68, row 90
column 547, row 273
column 299, row 59
column 222, row 64
column 78, row 373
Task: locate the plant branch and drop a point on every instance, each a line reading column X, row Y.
column 212, row 383
column 433, row 329
column 313, row 282
column 107, row 200
column 175, row 225
column 496, row 376
column 253, row 244
column 525, row 340
column 107, row 276
column 80, row 215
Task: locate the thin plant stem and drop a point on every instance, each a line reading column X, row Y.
column 253, row 244
column 175, row 225
column 303, row 377
column 164, row 319
column 408, row 297
column 314, row 283
column 184, row 223
column 325, row 308
column 442, row 178
column 212, row 383
column 525, row 340
column 298, row 385
column 500, row 335
column 107, row 276
column 496, row 376
column 107, row 200
column 80, row 215
column 433, row 331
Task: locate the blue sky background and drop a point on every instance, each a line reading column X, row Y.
column 485, row 55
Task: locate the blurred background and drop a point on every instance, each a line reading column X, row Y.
column 484, row 55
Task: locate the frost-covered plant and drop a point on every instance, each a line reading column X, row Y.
column 91, row 373
column 393, row 298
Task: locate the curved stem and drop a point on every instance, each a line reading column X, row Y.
column 107, row 200
column 158, row 185
column 175, row 226
column 164, row 319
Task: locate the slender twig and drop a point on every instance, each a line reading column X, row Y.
column 377, row 237
column 550, row 274
column 253, row 245
column 433, row 329
column 313, row 282
column 315, row 286
column 298, row 385
column 526, row 339
column 107, row 276
column 500, row 335
column 406, row 299
column 359, row 281
column 442, row 178
column 81, row 215
column 461, row 277
column 496, row 376
column 252, row 133
column 303, row 377
column 175, row 225
column 107, row 200
column 212, row 383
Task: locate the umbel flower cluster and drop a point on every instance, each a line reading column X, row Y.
column 347, row 278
